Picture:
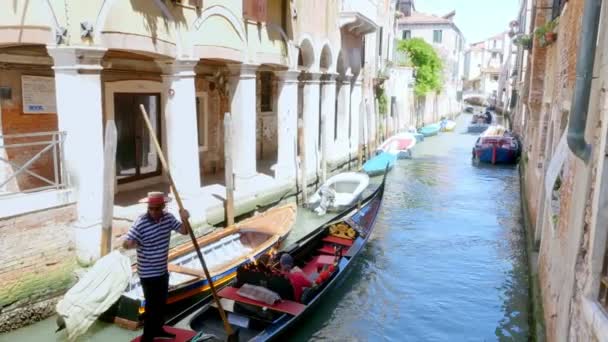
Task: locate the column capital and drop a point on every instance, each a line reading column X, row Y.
column 243, row 70
column 329, row 77
column 345, row 79
column 77, row 58
column 288, row 76
column 311, row 77
column 178, row 67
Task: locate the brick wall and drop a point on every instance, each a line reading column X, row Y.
column 552, row 78
column 14, row 121
column 37, row 259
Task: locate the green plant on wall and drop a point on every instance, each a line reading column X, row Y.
column 382, row 100
column 429, row 67
column 524, row 41
column 545, row 33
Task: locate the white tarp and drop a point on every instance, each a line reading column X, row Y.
column 100, row 287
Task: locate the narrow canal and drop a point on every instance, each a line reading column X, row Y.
column 446, row 261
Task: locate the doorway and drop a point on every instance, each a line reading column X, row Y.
column 136, row 157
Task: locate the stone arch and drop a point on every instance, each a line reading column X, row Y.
column 151, row 35
column 326, row 58
column 306, row 55
column 231, row 48
column 28, row 25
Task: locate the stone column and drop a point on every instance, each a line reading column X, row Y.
column 311, row 122
column 355, row 108
column 341, row 151
column 243, row 109
column 287, row 123
column 328, row 110
column 181, row 122
column 79, row 114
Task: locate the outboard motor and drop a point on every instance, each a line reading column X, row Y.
column 328, row 197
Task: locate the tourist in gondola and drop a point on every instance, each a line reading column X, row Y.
column 296, row 277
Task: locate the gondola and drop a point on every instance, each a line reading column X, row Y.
column 328, row 250
column 224, row 251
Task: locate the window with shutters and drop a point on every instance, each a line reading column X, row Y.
column 558, row 6
column 266, row 91
column 407, row 34
column 437, row 36
column 255, row 10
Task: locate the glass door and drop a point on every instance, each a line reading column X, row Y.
column 136, row 157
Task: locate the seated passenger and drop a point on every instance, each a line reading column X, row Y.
column 296, row 277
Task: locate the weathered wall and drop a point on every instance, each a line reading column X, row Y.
column 571, row 238
column 14, row 121
column 36, row 271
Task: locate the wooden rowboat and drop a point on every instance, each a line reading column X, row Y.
column 399, row 145
column 331, row 247
column 224, row 251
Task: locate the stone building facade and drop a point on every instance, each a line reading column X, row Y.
column 565, row 189
column 70, row 68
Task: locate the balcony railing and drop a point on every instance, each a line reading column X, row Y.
column 32, row 162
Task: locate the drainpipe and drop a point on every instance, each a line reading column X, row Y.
column 584, row 75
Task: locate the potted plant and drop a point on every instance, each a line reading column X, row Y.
column 545, row 33
column 524, row 41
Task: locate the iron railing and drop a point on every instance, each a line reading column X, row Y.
column 49, row 143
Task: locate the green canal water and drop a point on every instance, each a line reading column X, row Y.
column 446, row 261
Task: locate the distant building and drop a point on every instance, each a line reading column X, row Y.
column 483, row 63
column 445, row 36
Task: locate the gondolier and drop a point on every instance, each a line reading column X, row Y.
column 150, row 235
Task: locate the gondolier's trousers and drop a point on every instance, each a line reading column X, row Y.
column 155, row 292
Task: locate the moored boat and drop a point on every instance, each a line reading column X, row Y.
column 339, row 192
column 224, row 251
column 379, row 163
column 325, row 255
column 480, row 122
column 399, row 145
column 448, row 125
column 430, row 130
column 497, row 146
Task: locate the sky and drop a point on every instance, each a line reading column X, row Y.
column 477, row 19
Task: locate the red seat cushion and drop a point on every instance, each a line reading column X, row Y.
column 337, row 240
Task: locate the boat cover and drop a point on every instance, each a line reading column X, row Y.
column 100, row 287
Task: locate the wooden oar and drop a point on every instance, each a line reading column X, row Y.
column 186, row 223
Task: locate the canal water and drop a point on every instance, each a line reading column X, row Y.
column 446, row 261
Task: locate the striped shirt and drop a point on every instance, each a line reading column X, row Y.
column 152, row 243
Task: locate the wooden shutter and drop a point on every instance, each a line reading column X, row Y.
column 196, row 3
column 255, row 10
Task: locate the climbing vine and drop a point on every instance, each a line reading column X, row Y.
column 427, row 63
column 382, row 100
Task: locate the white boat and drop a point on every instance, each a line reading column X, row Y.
column 399, row 144
column 339, row 192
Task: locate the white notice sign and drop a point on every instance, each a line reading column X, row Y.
column 555, row 166
column 38, row 94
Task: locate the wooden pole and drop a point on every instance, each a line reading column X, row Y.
column 228, row 169
column 109, row 169
column 186, row 223
column 302, row 140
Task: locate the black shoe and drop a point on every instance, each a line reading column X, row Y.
column 164, row 335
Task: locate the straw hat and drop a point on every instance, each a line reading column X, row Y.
column 155, row 197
